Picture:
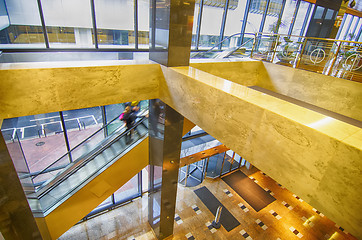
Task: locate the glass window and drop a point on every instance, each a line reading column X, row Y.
column 113, row 111
column 257, row 9
column 288, row 15
column 143, row 23
column 80, row 124
column 104, row 204
column 345, row 26
column 41, row 137
column 319, row 12
column 115, row 23
column 194, row 26
column 350, row 33
column 128, row 190
column 299, row 21
column 69, row 23
column 272, row 22
column 20, row 25
column 233, row 22
column 210, row 26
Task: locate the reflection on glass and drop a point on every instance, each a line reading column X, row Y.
column 115, row 23
column 69, row 23
column 20, row 25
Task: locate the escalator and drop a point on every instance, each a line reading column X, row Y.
column 68, row 192
column 218, row 51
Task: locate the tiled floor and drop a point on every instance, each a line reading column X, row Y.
column 289, row 217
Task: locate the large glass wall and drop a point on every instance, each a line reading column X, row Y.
column 52, row 140
column 125, row 23
column 20, row 25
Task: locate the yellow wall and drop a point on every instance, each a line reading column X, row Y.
column 33, row 91
column 331, row 93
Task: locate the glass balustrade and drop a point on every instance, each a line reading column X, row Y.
column 338, row 58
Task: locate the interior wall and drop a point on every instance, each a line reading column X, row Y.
column 331, row 93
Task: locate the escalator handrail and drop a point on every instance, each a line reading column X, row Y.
column 216, row 45
column 83, row 161
column 67, row 153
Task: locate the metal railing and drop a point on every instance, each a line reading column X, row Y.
column 338, row 58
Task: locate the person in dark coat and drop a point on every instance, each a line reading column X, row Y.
column 129, row 117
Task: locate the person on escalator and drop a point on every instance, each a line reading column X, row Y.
column 129, row 117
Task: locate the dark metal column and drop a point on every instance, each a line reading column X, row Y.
column 165, row 136
column 17, row 221
column 171, row 31
column 40, row 8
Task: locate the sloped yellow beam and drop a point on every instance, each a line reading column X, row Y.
column 314, row 156
column 95, row 192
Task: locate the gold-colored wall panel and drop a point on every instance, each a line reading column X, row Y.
column 98, row 190
column 331, row 93
column 246, row 73
column 34, row 91
column 294, row 145
column 188, row 125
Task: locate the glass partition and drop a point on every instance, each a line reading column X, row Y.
column 81, row 123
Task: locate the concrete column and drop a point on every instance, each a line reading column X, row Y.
column 171, row 31
column 16, row 218
column 165, row 137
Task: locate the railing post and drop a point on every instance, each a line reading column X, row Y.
column 301, row 53
column 275, row 48
column 252, row 49
column 330, row 67
column 216, row 223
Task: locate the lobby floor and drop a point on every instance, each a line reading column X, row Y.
column 293, row 218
